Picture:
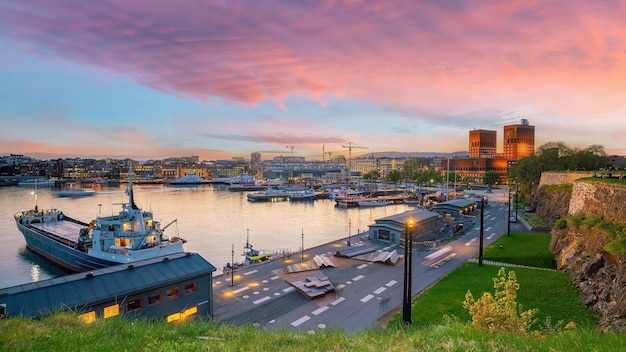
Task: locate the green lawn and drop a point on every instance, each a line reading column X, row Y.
column 524, row 248
column 551, row 292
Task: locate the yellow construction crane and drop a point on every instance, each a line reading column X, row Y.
column 324, row 153
column 351, row 146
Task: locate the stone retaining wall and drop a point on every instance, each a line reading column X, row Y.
column 559, row 178
column 595, row 198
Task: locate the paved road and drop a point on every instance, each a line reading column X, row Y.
column 365, row 292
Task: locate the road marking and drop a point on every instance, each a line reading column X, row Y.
column 261, row 300
column 217, row 282
column 361, row 266
column 289, row 289
column 366, row 298
column 300, row 321
column 488, row 229
column 337, row 301
column 380, row 290
column 391, row 283
column 339, row 287
column 358, row 278
column 320, row 310
column 274, row 277
column 250, row 272
column 491, row 236
column 386, row 248
column 241, row 289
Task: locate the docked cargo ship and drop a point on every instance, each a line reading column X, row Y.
column 125, row 238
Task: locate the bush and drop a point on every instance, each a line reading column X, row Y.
column 499, row 312
column 560, row 224
column 591, row 221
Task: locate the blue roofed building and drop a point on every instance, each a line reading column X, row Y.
column 175, row 288
column 391, row 228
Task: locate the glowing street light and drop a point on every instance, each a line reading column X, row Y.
column 408, row 254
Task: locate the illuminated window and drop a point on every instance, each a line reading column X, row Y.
column 89, row 317
column 111, row 311
column 172, row 293
column 133, row 305
column 190, row 288
column 190, row 311
column 154, row 298
column 174, row 317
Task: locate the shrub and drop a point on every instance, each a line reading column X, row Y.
column 591, row 221
column 560, row 224
column 499, row 312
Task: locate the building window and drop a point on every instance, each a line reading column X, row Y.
column 154, row 298
column 172, row 293
column 190, row 288
column 111, row 311
column 88, row 317
column 384, row 235
column 133, row 305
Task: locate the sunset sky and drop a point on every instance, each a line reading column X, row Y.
column 149, row 79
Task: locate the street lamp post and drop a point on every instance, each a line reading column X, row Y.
column 508, row 230
column 408, row 254
column 349, row 226
column 232, row 267
column 516, row 197
column 302, row 251
column 482, row 226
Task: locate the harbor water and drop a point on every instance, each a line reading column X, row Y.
column 211, row 219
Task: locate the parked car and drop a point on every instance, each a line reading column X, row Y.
column 529, row 210
column 513, row 219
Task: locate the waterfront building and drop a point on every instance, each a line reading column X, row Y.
column 455, row 208
column 391, row 228
column 473, row 169
column 173, row 288
column 482, row 143
column 313, row 170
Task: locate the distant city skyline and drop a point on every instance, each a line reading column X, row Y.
column 156, row 79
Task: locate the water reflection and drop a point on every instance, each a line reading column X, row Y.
column 211, row 219
column 35, row 272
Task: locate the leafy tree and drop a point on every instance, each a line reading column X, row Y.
column 394, row 176
column 411, row 165
column 372, row 175
column 426, row 177
column 555, row 156
column 491, row 177
column 500, row 312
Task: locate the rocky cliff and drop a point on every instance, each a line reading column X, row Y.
column 598, row 274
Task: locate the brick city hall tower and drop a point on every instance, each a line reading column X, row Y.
column 519, row 140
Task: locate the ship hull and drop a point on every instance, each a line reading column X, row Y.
column 61, row 254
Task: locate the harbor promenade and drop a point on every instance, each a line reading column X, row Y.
column 364, row 293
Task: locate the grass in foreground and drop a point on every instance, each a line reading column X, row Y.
column 64, row 332
column 550, row 291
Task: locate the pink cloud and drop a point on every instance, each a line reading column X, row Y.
column 447, row 57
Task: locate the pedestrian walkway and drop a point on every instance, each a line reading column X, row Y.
column 490, row 262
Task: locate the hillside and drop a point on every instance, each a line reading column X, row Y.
column 593, row 213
